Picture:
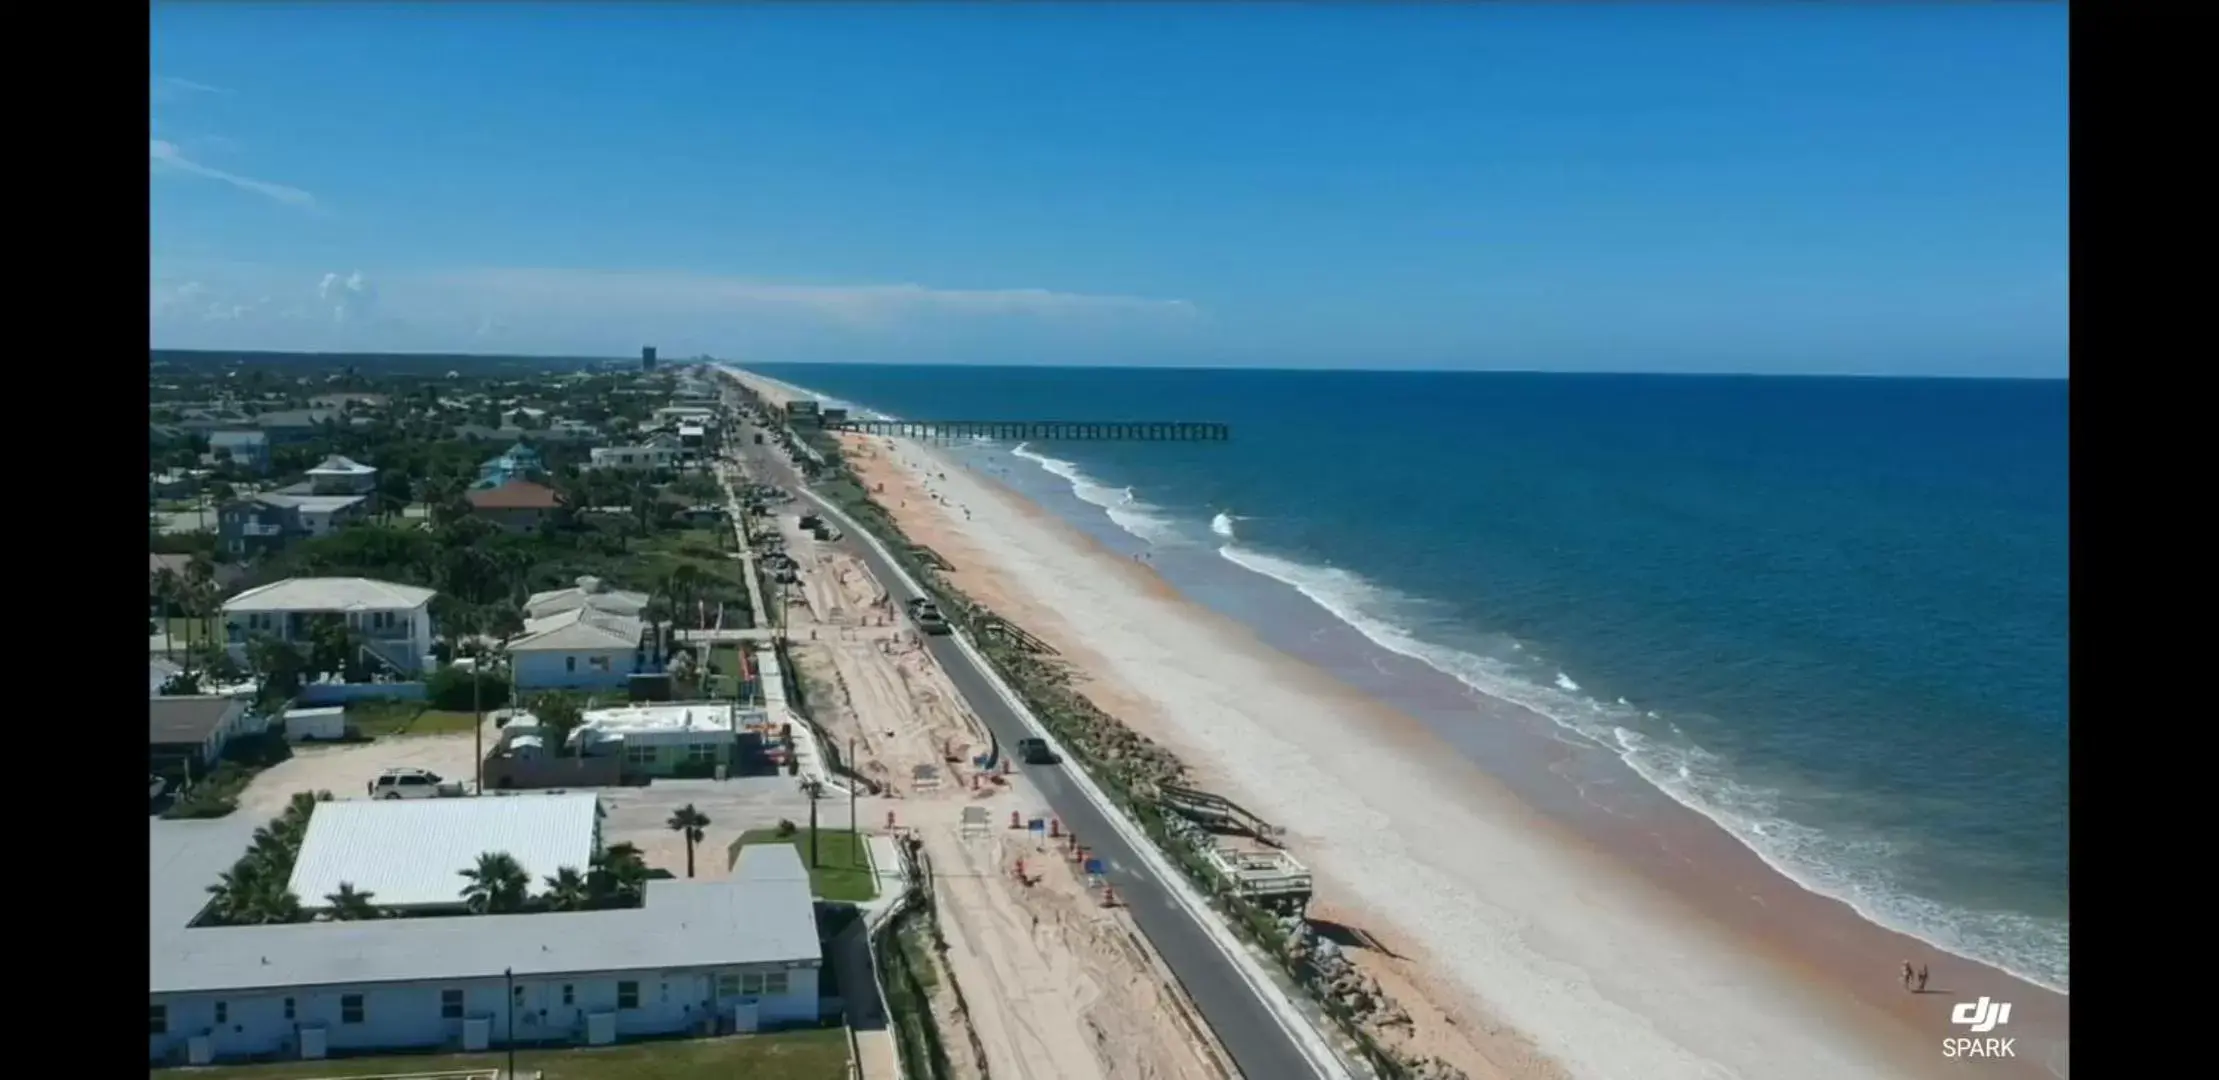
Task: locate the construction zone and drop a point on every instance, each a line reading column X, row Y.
column 1016, row 959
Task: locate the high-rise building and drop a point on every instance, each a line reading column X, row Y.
column 647, row 358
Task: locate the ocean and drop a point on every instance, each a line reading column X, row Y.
column 1828, row 614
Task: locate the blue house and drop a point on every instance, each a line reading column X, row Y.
column 518, row 462
column 582, row 649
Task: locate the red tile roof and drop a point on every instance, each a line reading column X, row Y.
column 515, row 495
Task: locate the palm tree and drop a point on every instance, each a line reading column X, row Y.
column 694, row 824
column 618, row 876
column 497, row 885
column 168, row 587
column 568, row 890
column 350, row 905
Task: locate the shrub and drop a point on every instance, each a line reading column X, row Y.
column 449, row 689
column 786, row 828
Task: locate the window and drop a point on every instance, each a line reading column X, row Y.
column 350, row 1008
column 157, row 1019
column 288, row 1009
column 774, row 983
column 450, row 1004
column 223, row 1012
column 569, row 994
column 728, row 986
column 627, row 995
column 570, row 663
column 598, row 663
column 639, row 755
column 751, row 984
column 702, row 753
column 517, row 993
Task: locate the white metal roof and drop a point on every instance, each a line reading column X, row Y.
column 314, row 504
column 341, row 465
column 411, row 852
column 330, row 594
column 557, row 601
column 762, row 914
column 577, row 629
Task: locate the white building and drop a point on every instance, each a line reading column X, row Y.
column 662, row 739
column 341, row 475
column 410, row 854
column 700, row 956
column 392, row 620
column 658, row 452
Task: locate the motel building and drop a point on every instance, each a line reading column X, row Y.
column 697, row 958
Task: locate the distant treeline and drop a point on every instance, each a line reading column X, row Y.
column 438, row 363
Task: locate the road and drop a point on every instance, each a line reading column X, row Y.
column 1251, row 1033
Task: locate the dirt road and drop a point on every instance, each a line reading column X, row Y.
column 1053, row 985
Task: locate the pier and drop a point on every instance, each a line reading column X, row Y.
column 1034, row 430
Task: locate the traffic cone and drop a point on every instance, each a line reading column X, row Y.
column 1005, row 766
column 1014, row 821
column 1055, row 827
column 1109, row 896
column 889, row 820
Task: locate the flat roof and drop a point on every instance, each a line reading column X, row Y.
column 762, row 914
column 672, row 716
column 411, row 852
column 187, row 720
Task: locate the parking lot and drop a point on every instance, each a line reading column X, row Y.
column 344, row 770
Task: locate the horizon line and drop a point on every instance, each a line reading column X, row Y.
column 683, row 361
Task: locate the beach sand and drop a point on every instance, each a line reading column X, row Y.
column 1524, row 943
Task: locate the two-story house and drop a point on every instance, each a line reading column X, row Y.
column 249, row 450
column 392, row 621
column 260, row 524
column 516, row 506
column 340, row 475
column 662, row 451
column 518, row 462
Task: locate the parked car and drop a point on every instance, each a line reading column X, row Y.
column 406, row 782
column 1036, row 752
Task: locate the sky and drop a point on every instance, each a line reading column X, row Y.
column 1871, row 189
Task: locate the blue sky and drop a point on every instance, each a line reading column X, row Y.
column 1791, row 188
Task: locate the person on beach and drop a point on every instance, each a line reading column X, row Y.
column 1909, row 974
column 1922, row 978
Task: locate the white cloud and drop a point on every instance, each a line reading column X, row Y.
column 669, row 294
column 349, row 299
column 162, row 154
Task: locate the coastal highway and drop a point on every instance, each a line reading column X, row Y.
column 1262, row 1044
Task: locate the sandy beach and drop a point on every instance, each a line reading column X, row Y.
column 1524, row 943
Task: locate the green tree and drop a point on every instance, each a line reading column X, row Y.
column 559, row 715
column 351, row 905
column 617, row 877
column 568, row 890
column 497, row 885
column 694, row 824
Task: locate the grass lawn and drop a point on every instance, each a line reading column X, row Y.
column 206, row 629
column 843, row 871
column 814, row 1054
column 380, row 719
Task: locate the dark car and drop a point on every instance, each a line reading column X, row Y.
column 1036, row 752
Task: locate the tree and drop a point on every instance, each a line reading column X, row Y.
column 559, row 716
column 278, row 666
column 350, row 905
column 568, row 890
column 694, row 824
column 497, row 885
column 617, row 877
column 168, row 589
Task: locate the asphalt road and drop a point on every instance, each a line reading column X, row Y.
column 1260, row 1048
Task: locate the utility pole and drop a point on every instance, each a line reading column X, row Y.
column 813, row 791
column 477, row 730
column 853, row 772
column 510, row 975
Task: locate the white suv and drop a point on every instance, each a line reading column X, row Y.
column 411, row 783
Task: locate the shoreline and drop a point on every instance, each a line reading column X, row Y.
column 1649, row 945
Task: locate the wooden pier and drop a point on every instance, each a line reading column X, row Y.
column 1038, row 430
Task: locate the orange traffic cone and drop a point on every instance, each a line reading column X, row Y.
column 1109, row 896
column 1014, row 822
column 1055, row 827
